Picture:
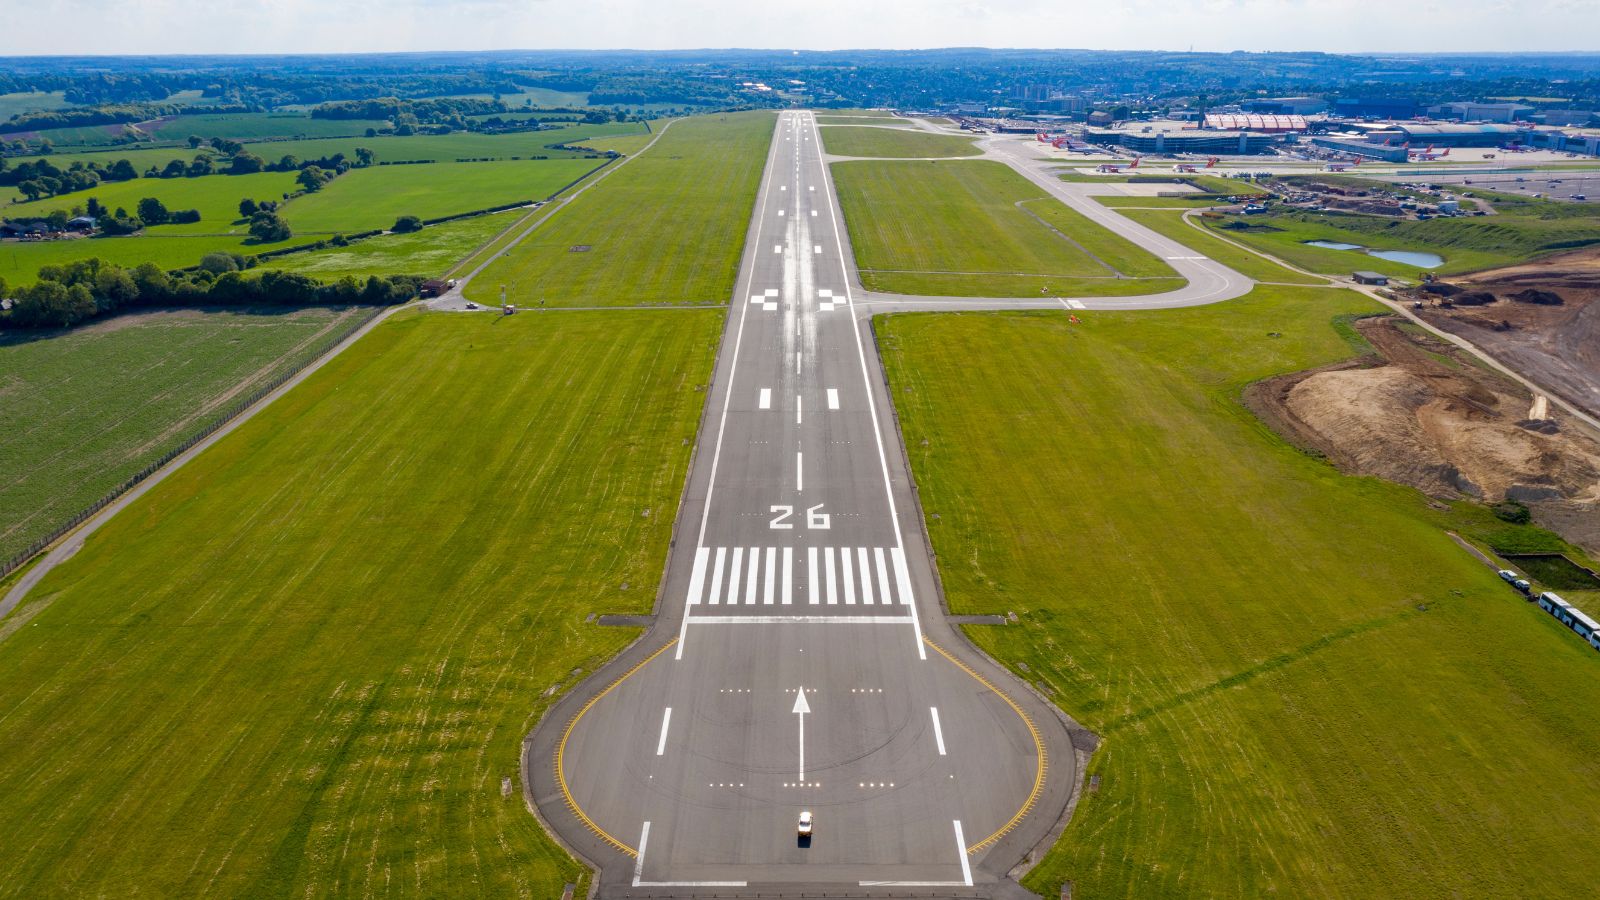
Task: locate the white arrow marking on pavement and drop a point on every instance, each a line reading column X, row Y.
column 800, row 709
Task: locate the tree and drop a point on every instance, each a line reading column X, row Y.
column 202, row 165
column 152, row 283
column 288, row 163
column 268, row 227
column 195, row 141
column 95, row 209
column 364, row 157
column 406, row 224
column 312, row 178
column 246, row 164
column 372, row 132
column 57, row 220
column 219, row 262
column 154, row 212
column 46, row 147
column 31, row 188
column 175, row 169
column 247, row 208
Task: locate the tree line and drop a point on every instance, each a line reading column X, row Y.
column 42, row 178
column 75, row 292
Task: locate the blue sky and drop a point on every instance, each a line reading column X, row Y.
column 272, row 26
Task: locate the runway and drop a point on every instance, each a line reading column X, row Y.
column 800, row 658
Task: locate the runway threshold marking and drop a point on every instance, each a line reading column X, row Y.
column 1042, row 756
column 561, row 753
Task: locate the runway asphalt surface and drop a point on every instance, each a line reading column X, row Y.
column 801, row 658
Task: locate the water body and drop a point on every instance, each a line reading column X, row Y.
column 1409, row 257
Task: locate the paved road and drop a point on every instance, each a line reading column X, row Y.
column 800, row 659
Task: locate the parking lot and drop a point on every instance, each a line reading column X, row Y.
column 1565, row 186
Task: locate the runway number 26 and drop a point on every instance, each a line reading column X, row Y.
column 815, row 520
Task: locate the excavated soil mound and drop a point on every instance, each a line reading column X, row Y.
column 1415, row 413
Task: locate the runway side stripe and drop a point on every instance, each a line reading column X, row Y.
column 902, row 577
column 698, row 576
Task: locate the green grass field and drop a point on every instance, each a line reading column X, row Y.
column 216, row 196
column 433, row 251
column 1521, row 232
column 85, row 409
column 666, row 228
column 374, row 197
column 30, row 101
column 887, row 144
column 1303, row 687
column 255, row 126
column 865, row 120
column 977, row 228
column 19, row 262
column 387, row 148
column 303, row 664
column 1240, row 260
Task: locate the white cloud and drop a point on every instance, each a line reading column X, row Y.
column 335, row 26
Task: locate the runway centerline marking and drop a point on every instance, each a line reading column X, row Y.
column 799, row 471
column 938, row 733
column 661, row 745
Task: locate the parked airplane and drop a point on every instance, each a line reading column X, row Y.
column 1428, row 154
column 1191, row 168
column 1343, row 166
column 1113, row 168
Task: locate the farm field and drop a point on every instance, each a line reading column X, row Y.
column 1301, row 683
column 432, row 252
column 20, row 262
column 20, row 102
column 246, row 126
column 386, row 148
column 1239, row 259
column 215, row 196
column 87, row 408
column 374, row 197
column 887, row 144
column 308, row 658
column 977, row 228
column 666, row 228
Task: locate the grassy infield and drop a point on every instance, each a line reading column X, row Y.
column 1280, row 711
column 977, row 228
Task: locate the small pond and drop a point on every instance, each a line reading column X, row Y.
column 1409, row 257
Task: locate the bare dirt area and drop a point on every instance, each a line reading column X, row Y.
column 1418, row 412
column 1554, row 344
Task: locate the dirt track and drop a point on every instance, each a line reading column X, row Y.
column 1418, row 413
